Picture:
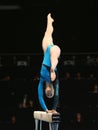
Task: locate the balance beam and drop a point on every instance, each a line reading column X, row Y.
column 47, row 117
column 52, row 118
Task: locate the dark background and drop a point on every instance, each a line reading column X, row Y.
column 75, row 25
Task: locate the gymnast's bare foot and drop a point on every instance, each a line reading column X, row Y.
column 50, row 19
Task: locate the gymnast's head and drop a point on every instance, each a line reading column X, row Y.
column 49, row 90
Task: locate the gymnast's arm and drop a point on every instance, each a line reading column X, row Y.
column 40, row 96
column 41, row 99
column 56, row 95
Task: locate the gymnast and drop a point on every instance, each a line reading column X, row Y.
column 49, row 82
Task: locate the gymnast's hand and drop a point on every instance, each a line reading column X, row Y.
column 51, row 111
column 54, row 111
